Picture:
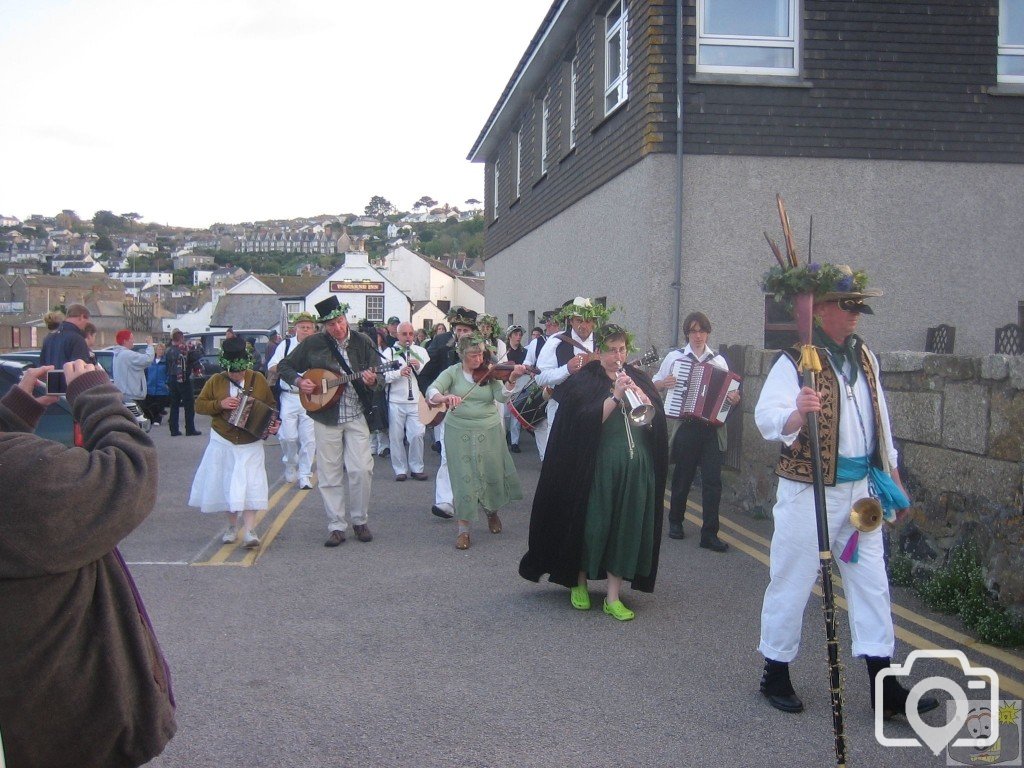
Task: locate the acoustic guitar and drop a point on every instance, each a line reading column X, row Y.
column 430, row 415
column 330, row 384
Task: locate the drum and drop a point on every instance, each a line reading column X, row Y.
column 529, row 406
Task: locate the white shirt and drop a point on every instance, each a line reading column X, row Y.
column 402, row 385
column 551, row 373
column 291, row 343
column 778, row 401
column 129, row 371
column 709, row 355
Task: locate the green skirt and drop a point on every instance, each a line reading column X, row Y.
column 618, row 536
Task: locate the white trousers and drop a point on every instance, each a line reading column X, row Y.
column 443, row 494
column 404, row 425
column 344, row 449
column 297, row 436
column 795, row 567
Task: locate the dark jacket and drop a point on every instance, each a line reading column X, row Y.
column 182, row 361
column 83, row 680
column 65, row 344
column 566, row 477
column 315, row 352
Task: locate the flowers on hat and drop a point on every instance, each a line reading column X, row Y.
column 585, row 308
column 819, row 279
column 301, row 317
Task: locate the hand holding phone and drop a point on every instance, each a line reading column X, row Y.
column 56, row 383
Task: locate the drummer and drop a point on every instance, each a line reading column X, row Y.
column 232, row 476
column 516, row 354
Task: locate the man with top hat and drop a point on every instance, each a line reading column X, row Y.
column 564, row 354
column 463, row 323
column 298, row 433
column 855, row 445
column 403, row 395
column 342, row 435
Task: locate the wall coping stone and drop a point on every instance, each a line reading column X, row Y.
column 902, row 361
column 995, row 367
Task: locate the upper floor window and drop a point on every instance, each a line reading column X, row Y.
column 519, row 162
column 616, row 58
column 748, row 37
column 572, row 103
column 1010, row 61
column 375, row 308
column 544, row 118
column 497, row 179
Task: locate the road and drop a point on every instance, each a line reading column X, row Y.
column 407, row 652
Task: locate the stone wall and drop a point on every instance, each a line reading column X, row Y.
column 958, row 423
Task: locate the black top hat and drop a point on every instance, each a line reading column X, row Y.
column 462, row 316
column 234, row 348
column 330, row 308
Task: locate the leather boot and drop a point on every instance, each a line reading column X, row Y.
column 894, row 695
column 777, row 688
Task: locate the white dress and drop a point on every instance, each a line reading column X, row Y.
column 230, row 478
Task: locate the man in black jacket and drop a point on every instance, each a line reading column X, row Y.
column 67, row 343
column 342, row 434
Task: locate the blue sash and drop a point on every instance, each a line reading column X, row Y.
column 881, row 485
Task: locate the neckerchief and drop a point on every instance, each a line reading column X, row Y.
column 840, row 352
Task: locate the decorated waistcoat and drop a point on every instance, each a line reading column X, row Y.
column 795, row 460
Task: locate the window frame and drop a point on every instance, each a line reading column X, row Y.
column 494, row 191
column 519, row 163
column 573, row 83
column 374, row 299
column 1005, row 49
column 620, row 85
column 545, row 116
column 791, row 41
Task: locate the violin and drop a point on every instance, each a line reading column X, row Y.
column 498, row 372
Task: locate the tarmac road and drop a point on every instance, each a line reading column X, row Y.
column 407, row 652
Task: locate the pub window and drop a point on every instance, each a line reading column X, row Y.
column 747, row 37
column 780, row 331
column 375, row 308
column 1010, row 61
column 616, row 56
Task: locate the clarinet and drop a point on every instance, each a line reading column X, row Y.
column 405, row 356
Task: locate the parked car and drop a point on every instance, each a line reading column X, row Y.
column 212, row 341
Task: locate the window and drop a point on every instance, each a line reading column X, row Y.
column 544, row 135
column 375, row 308
column 572, row 103
column 780, row 331
column 519, row 162
column 497, row 178
column 292, row 308
column 511, row 321
column 747, row 37
column 1010, row 61
column 616, row 60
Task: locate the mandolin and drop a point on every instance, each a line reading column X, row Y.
column 330, row 384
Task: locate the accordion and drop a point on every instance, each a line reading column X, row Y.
column 252, row 416
column 700, row 391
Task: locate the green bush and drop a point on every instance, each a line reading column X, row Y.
column 901, row 570
column 959, row 588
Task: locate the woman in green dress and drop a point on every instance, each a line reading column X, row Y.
column 480, row 466
column 597, row 512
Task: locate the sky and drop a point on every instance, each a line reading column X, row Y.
column 193, row 112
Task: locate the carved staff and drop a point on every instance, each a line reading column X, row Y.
column 810, row 364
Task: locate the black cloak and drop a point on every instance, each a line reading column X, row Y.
column 566, row 476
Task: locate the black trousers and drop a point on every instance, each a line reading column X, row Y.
column 696, row 445
column 182, row 396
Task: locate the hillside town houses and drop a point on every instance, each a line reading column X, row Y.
column 44, row 266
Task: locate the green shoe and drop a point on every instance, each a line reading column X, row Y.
column 618, row 611
column 580, row 597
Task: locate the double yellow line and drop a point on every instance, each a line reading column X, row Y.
column 759, row 551
column 235, row 554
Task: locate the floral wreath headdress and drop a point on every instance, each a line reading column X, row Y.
column 587, row 309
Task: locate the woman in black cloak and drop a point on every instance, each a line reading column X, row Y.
column 597, row 512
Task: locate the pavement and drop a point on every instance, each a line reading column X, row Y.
column 406, row 652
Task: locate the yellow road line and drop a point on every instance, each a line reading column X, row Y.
column 220, row 557
column 1008, row 658
column 276, row 526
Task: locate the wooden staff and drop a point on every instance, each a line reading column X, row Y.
column 810, row 364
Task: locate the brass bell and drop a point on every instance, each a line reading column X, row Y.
column 866, row 514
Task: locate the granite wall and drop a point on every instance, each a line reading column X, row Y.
column 958, row 423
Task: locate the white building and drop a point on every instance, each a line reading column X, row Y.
column 369, row 292
column 425, row 279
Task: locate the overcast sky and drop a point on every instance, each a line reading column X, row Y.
column 191, row 112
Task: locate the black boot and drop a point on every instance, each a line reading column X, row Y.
column 894, row 695
column 777, row 688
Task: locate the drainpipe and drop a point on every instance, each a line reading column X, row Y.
column 677, row 282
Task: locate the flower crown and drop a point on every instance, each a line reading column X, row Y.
column 587, row 309
column 236, row 364
column 606, row 331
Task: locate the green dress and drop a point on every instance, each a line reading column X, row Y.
column 618, row 535
column 479, row 464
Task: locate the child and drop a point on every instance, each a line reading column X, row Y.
column 232, row 476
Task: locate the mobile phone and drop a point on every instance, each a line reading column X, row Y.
column 56, row 384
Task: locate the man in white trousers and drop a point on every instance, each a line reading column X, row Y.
column 403, row 405
column 297, row 433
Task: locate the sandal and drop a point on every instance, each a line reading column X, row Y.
column 618, row 611
column 580, row 597
column 462, row 541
